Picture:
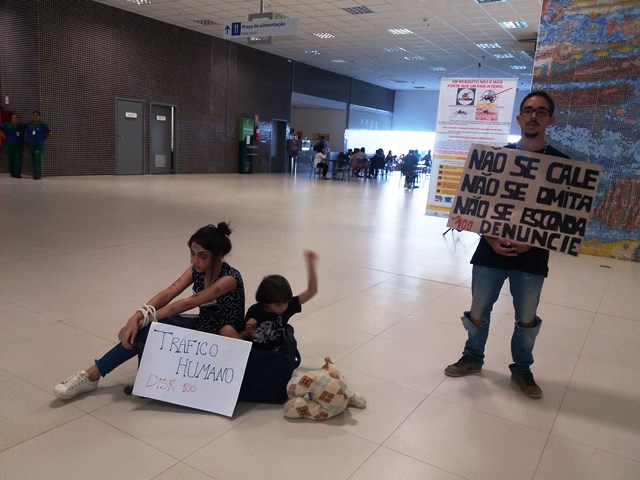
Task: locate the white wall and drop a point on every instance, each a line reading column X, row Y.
column 361, row 118
column 319, row 120
column 415, row 110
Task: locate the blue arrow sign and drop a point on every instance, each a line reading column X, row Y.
column 263, row 28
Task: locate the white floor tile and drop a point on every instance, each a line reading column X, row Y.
column 269, row 443
column 593, row 416
column 566, row 459
column 84, row 448
column 28, row 412
column 493, row 447
column 385, row 464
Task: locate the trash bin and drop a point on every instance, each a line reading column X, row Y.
column 245, row 157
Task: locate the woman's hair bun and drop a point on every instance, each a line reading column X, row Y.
column 223, row 228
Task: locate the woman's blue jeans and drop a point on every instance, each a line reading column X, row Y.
column 119, row 354
column 486, row 284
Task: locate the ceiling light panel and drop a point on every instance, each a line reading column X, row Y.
column 399, row 31
column 509, row 25
column 324, row 35
column 358, row 10
column 395, row 49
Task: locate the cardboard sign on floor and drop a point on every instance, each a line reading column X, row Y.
column 192, row 368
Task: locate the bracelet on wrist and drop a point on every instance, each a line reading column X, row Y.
column 148, row 314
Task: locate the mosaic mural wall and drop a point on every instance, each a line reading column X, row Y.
column 588, row 58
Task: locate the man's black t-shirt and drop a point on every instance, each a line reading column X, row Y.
column 535, row 260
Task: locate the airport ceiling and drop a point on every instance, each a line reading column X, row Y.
column 397, row 44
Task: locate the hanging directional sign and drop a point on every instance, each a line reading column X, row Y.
column 262, row 28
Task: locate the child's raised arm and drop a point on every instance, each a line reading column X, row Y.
column 310, row 260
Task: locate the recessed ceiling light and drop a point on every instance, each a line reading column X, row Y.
column 414, row 58
column 503, row 55
column 140, row 2
column 518, row 67
column 324, row 35
column 395, row 49
column 357, row 10
column 487, row 45
column 489, row 1
column 206, row 23
column 312, row 52
column 399, row 31
column 513, row 24
column 438, row 69
column 339, row 60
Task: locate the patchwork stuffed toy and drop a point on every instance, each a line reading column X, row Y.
column 320, row 394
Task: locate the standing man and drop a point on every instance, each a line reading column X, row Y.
column 13, row 134
column 37, row 134
column 526, row 267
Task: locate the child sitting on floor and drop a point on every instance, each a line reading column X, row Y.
column 267, row 322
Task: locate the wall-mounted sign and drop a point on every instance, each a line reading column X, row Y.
column 130, row 115
column 161, row 118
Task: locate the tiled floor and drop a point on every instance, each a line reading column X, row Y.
column 79, row 254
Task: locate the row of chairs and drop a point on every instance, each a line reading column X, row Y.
column 343, row 171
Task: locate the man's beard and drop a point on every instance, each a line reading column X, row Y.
column 531, row 136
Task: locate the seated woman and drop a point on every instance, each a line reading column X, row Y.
column 358, row 162
column 320, row 161
column 218, row 289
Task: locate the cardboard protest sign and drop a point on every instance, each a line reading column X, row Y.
column 192, row 368
column 527, row 197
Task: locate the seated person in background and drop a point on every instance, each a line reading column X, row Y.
column 358, row 161
column 377, row 163
column 344, row 161
column 390, row 161
column 427, row 161
column 320, row 161
column 267, row 322
column 409, row 168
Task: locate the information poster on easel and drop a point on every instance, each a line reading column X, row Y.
column 192, row 368
column 470, row 110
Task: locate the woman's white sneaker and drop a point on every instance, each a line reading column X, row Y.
column 75, row 385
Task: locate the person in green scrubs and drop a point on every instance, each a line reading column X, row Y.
column 13, row 134
column 37, row 133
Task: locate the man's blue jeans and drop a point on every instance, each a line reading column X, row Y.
column 525, row 289
column 119, row 354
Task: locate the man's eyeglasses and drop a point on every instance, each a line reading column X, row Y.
column 540, row 112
